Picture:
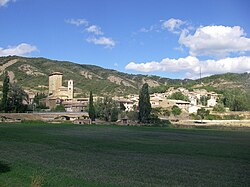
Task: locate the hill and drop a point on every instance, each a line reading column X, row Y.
column 32, row 74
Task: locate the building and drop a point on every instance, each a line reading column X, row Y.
column 56, row 90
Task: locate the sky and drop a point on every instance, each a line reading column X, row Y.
column 169, row 38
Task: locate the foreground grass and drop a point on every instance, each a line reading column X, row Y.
column 70, row 155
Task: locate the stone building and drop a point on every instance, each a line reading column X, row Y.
column 57, row 90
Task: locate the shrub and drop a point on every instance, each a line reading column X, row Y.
column 178, row 96
column 219, row 107
column 232, row 117
column 176, row 110
column 59, row 108
column 132, row 115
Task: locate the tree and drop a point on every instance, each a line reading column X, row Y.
column 6, row 85
column 203, row 113
column 176, row 110
column 37, row 104
column 122, row 107
column 219, row 107
column 107, row 109
column 132, row 115
column 17, row 97
column 178, row 96
column 236, row 100
column 59, row 108
column 144, row 105
column 204, row 99
column 166, row 112
column 114, row 114
column 92, row 114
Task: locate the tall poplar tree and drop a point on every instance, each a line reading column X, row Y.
column 6, row 88
column 144, row 105
column 92, row 114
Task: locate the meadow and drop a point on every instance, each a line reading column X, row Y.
column 41, row 154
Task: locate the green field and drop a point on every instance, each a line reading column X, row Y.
column 73, row 155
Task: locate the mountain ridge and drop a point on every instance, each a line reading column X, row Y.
column 32, row 74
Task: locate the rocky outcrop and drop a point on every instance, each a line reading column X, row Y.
column 9, row 63
column 119, row 81
column 30, row 70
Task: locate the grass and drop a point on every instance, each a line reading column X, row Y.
column 39, row 154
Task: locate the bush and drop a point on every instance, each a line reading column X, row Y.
column 176, row 110
column 213, row 117
column 132, row 115
column 154, row 119
column 203, row 113
column 232, row 117
column 178, row 96
column 114, row 114
column 59, row 108
column 219, row 107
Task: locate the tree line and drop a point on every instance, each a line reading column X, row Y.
column 109, row 110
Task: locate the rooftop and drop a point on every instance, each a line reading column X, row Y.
column 55, row 73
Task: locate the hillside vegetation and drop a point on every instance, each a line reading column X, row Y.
column 32, row 74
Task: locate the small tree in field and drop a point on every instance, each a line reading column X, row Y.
column 92, row 114
column 144, row 105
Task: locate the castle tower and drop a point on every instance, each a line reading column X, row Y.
column 55, row 82
column 70, row 89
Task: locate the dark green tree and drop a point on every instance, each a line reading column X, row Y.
column 107, row 109
column 59, row 108
column 92, row 113
column 219, row 107
column 236, row 100
column 37, row 104
column 18, row 99
column 203, row 100
column 6, row 88
column 114, row 114
column 202, row 113
column 176, row 110
column 144, row 105
column 178, row 96
column 122, row 107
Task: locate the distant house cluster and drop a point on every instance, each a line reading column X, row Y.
column 61, row 95
column 161, row 99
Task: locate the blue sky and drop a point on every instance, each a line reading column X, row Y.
column 161, row 37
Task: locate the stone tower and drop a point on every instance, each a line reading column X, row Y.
column 70, row 89
column 55, row 82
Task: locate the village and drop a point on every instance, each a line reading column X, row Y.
column 75, row 109
column 62, row 95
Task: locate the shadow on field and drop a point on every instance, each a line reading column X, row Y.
column 4, row 167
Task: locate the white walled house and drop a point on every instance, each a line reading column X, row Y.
column 193, row 109
column 211, row 102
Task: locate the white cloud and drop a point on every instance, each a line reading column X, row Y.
column 107, row 42
column 217, row 41
column 173, row 25
column 191, row 66
column 5, row 2
column 77, row 22
column 150, row 29
column 20, row 50
column 94, row 29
